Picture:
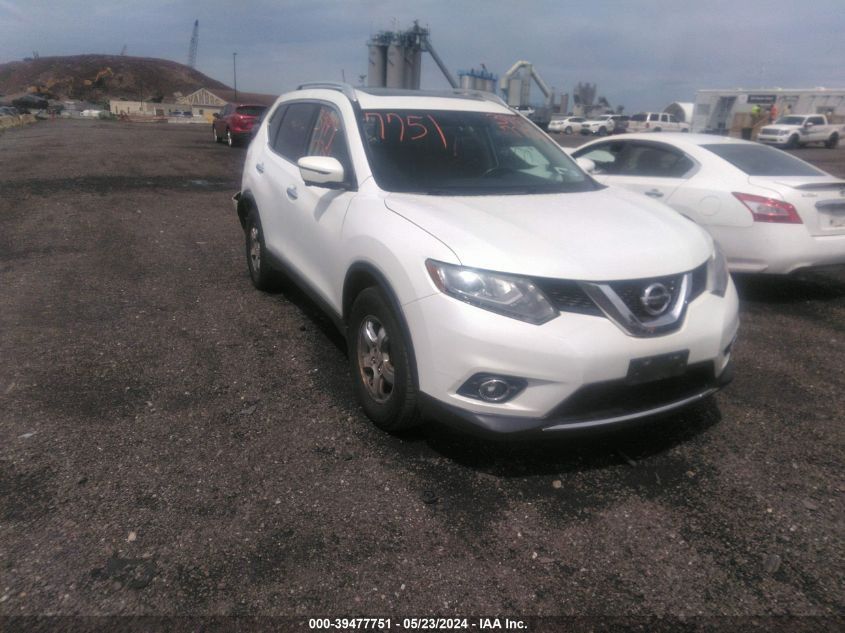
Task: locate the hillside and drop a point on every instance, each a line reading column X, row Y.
column 97, row 78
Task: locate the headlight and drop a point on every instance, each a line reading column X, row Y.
column 514, row 297
column 717, row 272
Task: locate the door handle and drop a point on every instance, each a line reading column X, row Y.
column 654, row 193
column 291, row 191
column 259, row 167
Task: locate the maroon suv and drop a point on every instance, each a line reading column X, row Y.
column 234, row 122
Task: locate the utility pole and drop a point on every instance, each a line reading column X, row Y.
column 235, row 68
column 192, row 48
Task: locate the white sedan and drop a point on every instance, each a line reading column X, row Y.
column 769, row 211
column 568, row 125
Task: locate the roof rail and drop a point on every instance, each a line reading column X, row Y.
column 346, row 89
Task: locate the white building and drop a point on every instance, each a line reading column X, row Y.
column 728, row 111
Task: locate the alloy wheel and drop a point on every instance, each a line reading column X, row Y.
column 374, row 363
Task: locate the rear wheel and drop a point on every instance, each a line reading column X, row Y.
column 260, row 272
column 380, row 363
column 832, row 142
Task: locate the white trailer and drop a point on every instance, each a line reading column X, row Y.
column 730, row 111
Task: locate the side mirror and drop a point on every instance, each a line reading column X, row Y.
column 322, row 171
column 808, row 124
column 586, row 164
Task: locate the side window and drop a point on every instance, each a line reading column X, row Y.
column 652, row 160
column 327, row 137
column 294, row 130
column 653, row 117
column 672, row 119
column 816, row 120
column 604, row 155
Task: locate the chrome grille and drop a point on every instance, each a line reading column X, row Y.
column 631, row 291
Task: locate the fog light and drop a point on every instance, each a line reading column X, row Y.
column 491, row 388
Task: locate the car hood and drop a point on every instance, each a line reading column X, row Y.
column 592, row 236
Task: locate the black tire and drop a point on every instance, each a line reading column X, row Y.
column 602, row 131
column 230, row 140
column 792, row 143
column 832, row 142
column 217, row 139
column 658, row 129
column 258, row 263
column 378, row 352
column 567, row 131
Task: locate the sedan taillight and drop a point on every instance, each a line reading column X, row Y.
column 768, row 209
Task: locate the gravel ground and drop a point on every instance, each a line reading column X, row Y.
column 173, row 442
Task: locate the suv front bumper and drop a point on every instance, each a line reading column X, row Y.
column 574, row 367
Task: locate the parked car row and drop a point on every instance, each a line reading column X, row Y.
column 483, row 277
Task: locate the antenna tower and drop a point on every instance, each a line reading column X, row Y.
column 192, row 50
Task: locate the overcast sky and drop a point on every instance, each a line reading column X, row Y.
column 643, row 54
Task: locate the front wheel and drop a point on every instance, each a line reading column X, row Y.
column 832, row 142
column 230, row 140
column 792, row 143
column 602, row 131
column 214, row 135
column 380, row 363
column 568, row 130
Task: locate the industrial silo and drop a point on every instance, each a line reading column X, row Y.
column 376, row 76
column 395, row 65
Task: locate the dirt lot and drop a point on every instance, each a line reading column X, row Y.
column 174, row 442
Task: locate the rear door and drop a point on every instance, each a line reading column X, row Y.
column 280, row 178
column 318, row 212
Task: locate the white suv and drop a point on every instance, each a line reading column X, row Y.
column 656, row 122
column 479, row 275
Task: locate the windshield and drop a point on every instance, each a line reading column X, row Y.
column 445, row 152
column 791, row 120
column 760, row 160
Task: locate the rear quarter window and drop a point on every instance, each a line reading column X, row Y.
column 761, row 160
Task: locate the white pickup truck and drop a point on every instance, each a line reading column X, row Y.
column 795, row 130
